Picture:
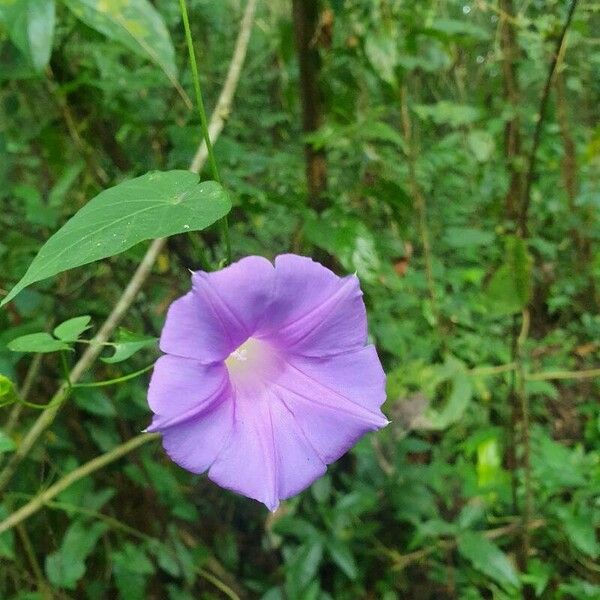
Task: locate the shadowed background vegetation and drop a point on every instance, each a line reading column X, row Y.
column 446, row 151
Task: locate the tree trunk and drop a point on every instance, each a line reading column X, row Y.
column 306, row 24
column 512, row 135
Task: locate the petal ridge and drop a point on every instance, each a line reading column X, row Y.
column 211, row 294
column 330, row 303
column 337, row 394
column 214, row 428
column 208, row 405
column 246, row 463
column 306, row 438
column 201, row 290
column 313, row 311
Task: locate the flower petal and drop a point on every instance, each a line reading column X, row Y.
column 220, row 312
column 181, row 387
column 314, row 312
column 334, row 400
column 194, row 444
column 267, row 457
column 193, row 330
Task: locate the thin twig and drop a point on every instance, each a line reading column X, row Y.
column 115, row 380
column 43, row 586
column 223, row 106
column 419, row 198
column 119, row 525
column 62, row 484
column 144, row 268
column 24, row 392
column 584, row 374
column 523, row 397
column 537, row 134
column 403, row 560
column 224, row 224
column 84, row 148
column 497, row 370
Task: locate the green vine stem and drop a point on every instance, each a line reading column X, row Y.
column 86, row 469
column 115, row 524
column 114, row 381
column 143, row 270
column 203, row 120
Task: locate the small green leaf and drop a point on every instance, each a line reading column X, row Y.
column 134, row 23
column 342, row 557
column 6, row 443
column 127, row 345
column 8, row 394
column 7, row 539
column 131, row 572
column 295, row 526
column 459, row 29
column 489, row 463
column 93, row 401
column 166, row 559
column 349, row 240
column 481, row 143
column 155, row 205
column 486, row 557
column 510, row 288
column 381, row 50
column 539, row 573
column 70, row 330
column 467, row 237
column 581, row 531
column 30, row 25
column 67, row 566
column 458, row 398
column 301, row 568
column 448, row 113
column 37, row 342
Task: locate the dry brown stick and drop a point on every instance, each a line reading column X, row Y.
column 403, row 560
column 141, row 273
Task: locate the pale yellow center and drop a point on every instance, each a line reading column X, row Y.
column 252, row 358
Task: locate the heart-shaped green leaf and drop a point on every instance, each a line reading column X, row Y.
column 135, row 23
column 70, row 330
column 37, row 342
column 127, row 344
column 155, row 205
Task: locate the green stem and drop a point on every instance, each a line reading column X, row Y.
column 203, row 119
column 62, row 484
column 119, row 525
column 586, row 374
column 65, row 368
column 496, row 370
column 56, row 400
column 113, row 381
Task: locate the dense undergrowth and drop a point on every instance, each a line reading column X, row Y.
column 459, row 149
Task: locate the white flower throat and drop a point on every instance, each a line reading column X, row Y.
column 253, row 361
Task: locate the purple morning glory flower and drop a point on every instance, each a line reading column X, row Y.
column 267, row 377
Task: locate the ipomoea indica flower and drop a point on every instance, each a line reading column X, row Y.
column 267, row 377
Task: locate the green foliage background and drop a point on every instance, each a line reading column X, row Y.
column 487, row 482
